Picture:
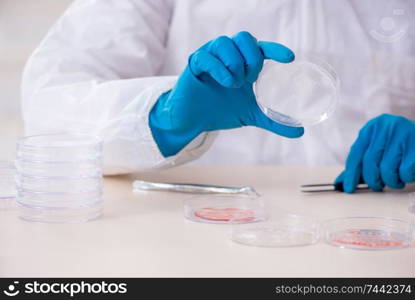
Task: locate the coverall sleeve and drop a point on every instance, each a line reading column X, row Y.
column 95, row 73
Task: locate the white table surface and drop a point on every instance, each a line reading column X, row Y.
column 145, row 234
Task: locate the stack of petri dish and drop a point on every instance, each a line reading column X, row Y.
column 59, row 178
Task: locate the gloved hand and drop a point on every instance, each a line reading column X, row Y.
column 215, row 92
column 383, row 155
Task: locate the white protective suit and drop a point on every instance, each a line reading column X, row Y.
column 104, row 64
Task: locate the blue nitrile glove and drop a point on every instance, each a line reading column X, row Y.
column 215, row 92
column 383, row 155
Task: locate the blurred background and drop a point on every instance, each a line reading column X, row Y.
column 23, row 23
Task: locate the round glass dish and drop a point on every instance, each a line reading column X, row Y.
column 74, row 214
column 368, row 233
column 224, row 209
column 58, row 185
column 65, row 147
column 283, row 230
column 51, row 169
column 57, row 201
column 301, row 93
column 8, row 191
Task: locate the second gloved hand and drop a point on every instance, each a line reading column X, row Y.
column 215, row 92
column 383, row 155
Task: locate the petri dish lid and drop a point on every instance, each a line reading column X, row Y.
column 285, row 230
column 224, row 208
column 8, row 191
column 59, row 147
column 60, row 140
column 301, row 93
column 368, row 233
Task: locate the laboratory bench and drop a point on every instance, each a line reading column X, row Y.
column 144, row 234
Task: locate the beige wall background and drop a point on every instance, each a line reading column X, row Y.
column 23, row 23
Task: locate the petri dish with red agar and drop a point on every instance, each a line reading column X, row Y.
column 368, row 233
column 224, row 208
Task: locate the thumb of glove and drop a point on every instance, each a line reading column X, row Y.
column 260, row 120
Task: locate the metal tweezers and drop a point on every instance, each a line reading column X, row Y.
column 331, row 187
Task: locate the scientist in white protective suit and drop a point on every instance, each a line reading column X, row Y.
column 161, row 80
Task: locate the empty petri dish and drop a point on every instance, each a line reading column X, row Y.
column 63, row 147
column 59, row 201
column 68, row 214
column 368, row 233
column 51, row 169
column 224, row 209
column 284, row 230
column 59, row 185
column 7, row 185
column 301, row 93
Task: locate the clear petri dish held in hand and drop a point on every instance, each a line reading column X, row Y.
column 301, row 93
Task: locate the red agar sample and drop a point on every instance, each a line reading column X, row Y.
column 225, row 214
column 367, row 239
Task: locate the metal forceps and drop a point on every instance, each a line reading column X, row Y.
column 329, row 187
